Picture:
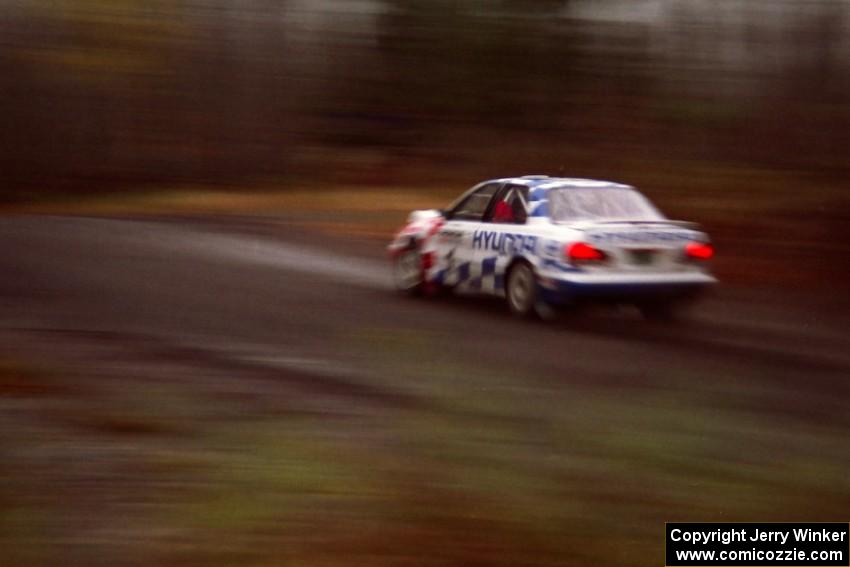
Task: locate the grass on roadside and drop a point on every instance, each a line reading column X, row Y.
column 493, row 471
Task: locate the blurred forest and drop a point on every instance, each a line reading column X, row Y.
column 160, row 405
column 106, row 94
column 734, row 113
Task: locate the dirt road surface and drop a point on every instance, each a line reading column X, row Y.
column 160, row 367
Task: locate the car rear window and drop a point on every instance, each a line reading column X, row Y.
column 570, row 204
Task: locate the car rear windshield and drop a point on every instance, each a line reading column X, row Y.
column 571, row 204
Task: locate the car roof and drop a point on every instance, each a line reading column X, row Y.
column 546, row 182
column 539, row 186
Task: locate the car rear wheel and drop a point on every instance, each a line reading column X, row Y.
column 407, row 272
column 521, row 292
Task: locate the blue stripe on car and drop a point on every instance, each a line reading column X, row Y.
column 540, row 209
column 488, row 266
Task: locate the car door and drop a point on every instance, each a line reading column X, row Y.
column 454, row 239
column 499, row 238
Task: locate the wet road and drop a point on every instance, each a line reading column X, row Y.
column 162, row 374
column 289, row 300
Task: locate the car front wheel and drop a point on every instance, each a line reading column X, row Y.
column 407, row 272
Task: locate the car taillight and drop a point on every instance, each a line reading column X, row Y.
column 699, row 251
column 583, row 252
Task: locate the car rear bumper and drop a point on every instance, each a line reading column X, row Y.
column 625, row 288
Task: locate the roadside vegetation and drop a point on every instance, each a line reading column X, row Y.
column 493, row 469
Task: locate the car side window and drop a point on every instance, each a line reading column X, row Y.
column 474, row 206
column 510, row 207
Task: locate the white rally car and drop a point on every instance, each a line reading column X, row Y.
column 543, row 242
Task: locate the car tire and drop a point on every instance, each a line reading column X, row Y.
column 521, row 290
column 408, row 275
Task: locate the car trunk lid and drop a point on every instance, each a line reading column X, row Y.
column 641, row 246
